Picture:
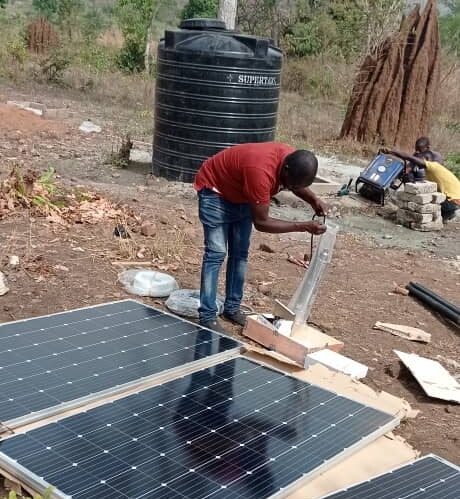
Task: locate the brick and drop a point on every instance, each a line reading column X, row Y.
column 427, row 227
column 420, row 187
column 415, row 198
column 412, row 216
column 54, row 114
column 437, row 214
column 422, row 208
column 400, row 203
column 438, row 197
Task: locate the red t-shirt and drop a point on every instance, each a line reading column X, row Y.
column 246, row 173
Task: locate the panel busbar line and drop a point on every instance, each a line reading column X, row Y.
column 50, row 363
column 427, row 478
column 237, row 430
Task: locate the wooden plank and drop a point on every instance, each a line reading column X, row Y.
column 406, row 332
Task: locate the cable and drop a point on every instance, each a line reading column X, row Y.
column 307, row 258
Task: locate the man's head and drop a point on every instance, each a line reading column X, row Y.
column 422, row 144
column 427, row 155
column 299, row 170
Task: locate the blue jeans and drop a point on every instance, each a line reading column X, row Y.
column 227, row 230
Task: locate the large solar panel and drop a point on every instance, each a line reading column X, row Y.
column 60, row 360
column 235, row 430
column 427, row 478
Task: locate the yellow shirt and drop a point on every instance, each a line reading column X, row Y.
column 447, row 182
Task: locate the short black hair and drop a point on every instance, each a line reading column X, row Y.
column 301, row 168
column 428, row 155
column 422, row 143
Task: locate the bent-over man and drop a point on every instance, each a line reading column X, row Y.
column 234, row 190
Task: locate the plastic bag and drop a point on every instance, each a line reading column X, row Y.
column 144, row 282
column 185, row 302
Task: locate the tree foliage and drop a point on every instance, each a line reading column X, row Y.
column 200, row 8
column 310, row 27
column 134, row 18
column 3, row 4
column 46, row 8
column 450, row 28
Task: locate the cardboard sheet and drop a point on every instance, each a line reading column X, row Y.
column 433, row 378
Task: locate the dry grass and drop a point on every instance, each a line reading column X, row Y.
column 111, row 86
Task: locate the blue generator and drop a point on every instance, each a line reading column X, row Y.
column 380, row 176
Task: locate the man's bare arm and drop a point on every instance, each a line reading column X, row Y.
column 409, row 157
column 264, row 223
column 307, row 195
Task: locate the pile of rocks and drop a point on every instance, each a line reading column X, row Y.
column 419, row 206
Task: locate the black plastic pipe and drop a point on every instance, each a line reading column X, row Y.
column 434, row 304
column 436, row 297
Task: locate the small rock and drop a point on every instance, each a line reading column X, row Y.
column 148, row 229
column 116, row 175
column 264, row 289
column 89, row 127
column 163, row 220
column 266, row 248
column 120, row 231
column 393, row 370
column 3, row 284
column 387, row 236
column 14, row 260
column 61, row 268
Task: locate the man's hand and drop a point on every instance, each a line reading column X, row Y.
column 313, row 227
column 321, row 208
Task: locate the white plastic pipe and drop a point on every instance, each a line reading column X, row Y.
column 304, row 297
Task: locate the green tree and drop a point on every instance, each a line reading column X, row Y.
column 46, row 8
column 68, row 14
column 200, row 8
column 450, row 28
column 134, row 18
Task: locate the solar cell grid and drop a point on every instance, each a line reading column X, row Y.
column 429, row 477
column 52, row 360
column 236, row 430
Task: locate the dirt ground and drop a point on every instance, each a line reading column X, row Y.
column 73, row 266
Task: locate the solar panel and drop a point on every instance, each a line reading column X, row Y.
column 55, row 362
column 427, row 478
column 235, row 430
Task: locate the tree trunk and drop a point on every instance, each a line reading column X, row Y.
column 227, row 12
column 147, row 54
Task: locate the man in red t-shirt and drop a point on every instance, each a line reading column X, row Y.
column 234, row 189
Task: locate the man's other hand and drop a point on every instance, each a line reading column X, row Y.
column 313, row 227
column 321, row 208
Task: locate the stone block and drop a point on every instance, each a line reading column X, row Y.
column 438, row 197
column 56, row 114
column 422, row 208
column 400, row 203
column 420, row 187
column 411, row 216
column 437, row 214
column 415, row 198
column 427, row 227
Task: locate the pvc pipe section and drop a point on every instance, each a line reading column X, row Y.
column 439, row 306
column 304, row 297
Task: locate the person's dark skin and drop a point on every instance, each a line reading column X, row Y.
column 408, row 157
column 264, row 223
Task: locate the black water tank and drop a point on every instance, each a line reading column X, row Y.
column 214, row 88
